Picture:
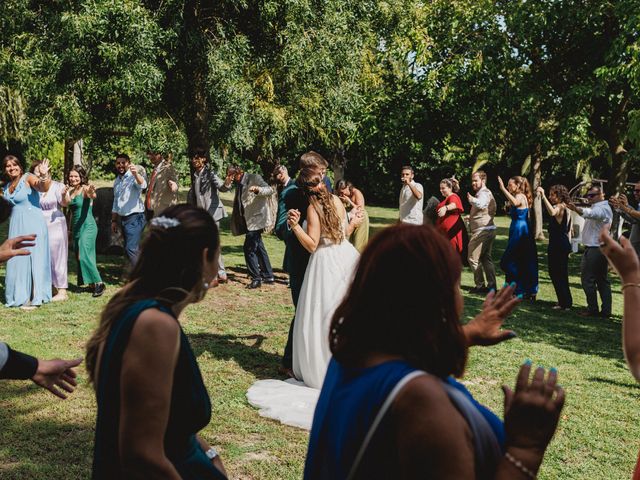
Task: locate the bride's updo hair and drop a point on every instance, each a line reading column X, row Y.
column 310, row 181
column 169, row 268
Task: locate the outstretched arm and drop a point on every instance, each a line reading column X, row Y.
column 309, row 239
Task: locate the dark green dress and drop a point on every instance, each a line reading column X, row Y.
column 190, row 405
column 85, row 232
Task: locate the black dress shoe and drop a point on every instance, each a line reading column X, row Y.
column 99, row 290
column 269, row 280
column 255, row 283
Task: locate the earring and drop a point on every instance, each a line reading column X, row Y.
column 205, row 285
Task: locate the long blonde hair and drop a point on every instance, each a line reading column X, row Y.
column 323, row 203
column 169, row 269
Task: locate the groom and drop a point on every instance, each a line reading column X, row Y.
column 296, row 256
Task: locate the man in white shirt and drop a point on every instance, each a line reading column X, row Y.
column 630, row 214
column 483, row 233
column 594, row 267
column 128, row 207
column 411, row 198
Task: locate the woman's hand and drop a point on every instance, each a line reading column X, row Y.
column 531, row 413
column 293, row 218
column 44, row 167
column 486, row 328
column 442, row 211
column 500, row 182
column 622, row 256
column 540, row 191
column 91, row 191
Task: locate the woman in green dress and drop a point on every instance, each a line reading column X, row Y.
column 79, row 196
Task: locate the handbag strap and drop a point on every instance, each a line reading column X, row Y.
column 381, row 413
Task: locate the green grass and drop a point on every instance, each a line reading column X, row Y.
column 238, row 336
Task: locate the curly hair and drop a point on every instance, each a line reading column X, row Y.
column 561, row 192
column 323, row 203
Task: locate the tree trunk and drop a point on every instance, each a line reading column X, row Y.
column 73, row 155
column 338, row 164
column 195, row 70
column 536, row 181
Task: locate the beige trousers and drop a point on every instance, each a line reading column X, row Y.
column 480, row 261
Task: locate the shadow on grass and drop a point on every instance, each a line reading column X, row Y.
column 245, row 350
column 536, row 322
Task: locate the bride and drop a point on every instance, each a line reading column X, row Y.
column 328, row 275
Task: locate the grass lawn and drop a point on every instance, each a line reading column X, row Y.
column 238, row 336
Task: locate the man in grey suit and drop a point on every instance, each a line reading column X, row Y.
column 251, row 216
column 203, row 193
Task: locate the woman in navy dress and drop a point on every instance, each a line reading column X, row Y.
column 390, row 407
column 519, row 261
column 28, row 280
column 559, row 246
column 151, row 398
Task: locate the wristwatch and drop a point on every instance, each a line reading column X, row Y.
column 211, row 453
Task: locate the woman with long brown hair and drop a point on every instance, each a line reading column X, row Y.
column 520, row 259
column 329, row 272
column 390, row 406
column 151, row 398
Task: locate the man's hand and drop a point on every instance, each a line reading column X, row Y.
column 254, row 189
column 114, row 226
column 16, row 246
column 173, row 186
column 57, row 376
column 133, row 169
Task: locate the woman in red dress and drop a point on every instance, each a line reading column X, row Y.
column 450, row 213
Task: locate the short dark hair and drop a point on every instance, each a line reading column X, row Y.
column 416, row 315
column 200, row 152
column 407, row 167
column 481, row 173
column 123, row 155
column 342, row 184
column 234, row 169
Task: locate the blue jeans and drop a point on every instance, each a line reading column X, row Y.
column 132, row 228
column 256, row 257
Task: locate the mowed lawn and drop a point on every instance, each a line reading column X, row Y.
column 238, row 336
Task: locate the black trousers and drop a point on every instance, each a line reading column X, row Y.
column 256, row 257
column 594, row 277
column 559, row 273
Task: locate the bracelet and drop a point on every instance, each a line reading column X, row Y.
column 519, row 465
column 629, row 285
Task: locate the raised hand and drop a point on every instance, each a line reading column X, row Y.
column 133, row 169
column 57, row 376
column 486, row 328
column 254, row 189
column 173, row 186
column 540, row 191
column 91, row 191
column 500, row 182
column 531, row 413
column 16, row 246
column 44, row 167
column 470, row 197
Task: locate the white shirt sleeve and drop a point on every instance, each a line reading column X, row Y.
column 598, row 212
column 481, row 201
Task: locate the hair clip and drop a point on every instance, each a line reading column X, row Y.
column 165, row 222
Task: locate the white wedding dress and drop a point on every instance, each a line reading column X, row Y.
column 326, row 280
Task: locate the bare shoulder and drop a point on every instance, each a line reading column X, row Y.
column 153, row 325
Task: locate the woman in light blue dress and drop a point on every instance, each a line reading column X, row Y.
column 28, row 280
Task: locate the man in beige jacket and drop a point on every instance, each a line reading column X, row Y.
column 251, row 216
column 483, row 233
column 162, row 190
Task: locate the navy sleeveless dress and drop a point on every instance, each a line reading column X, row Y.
column 349, row 402
column 520, row 259
column 190, row 405
column 558, row 252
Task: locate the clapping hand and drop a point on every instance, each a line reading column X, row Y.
column 16, row 246
column 293, row 217
column 531, row 413
column 173, row 186
column 486, row 328
column 57, row 376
